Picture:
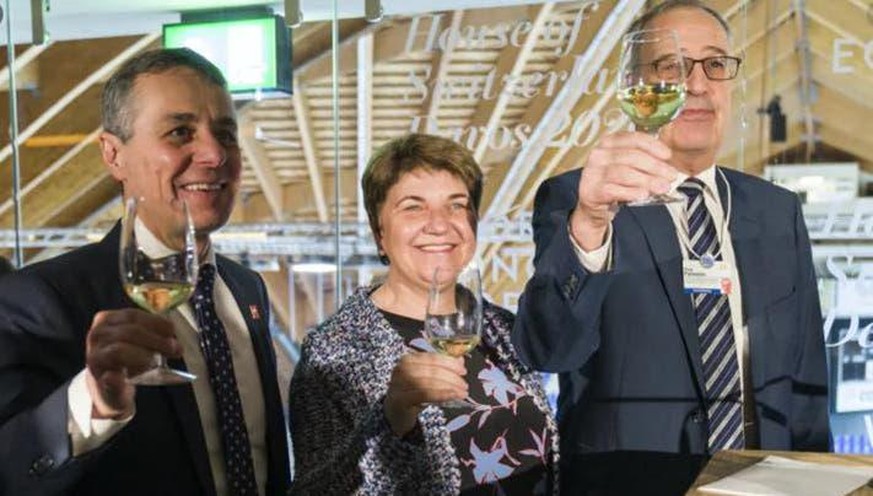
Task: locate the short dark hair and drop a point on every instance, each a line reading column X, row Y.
column 669, row 5
column 417, row 151
column 117, row 118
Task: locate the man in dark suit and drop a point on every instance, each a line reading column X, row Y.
column 5, row 266
column 70, row 422
column 680, row 329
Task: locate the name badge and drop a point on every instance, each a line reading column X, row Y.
column 715, row 279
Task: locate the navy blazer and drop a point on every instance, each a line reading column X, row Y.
column 45, row 312
column 625, row 341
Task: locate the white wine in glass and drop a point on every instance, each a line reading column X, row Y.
column 651, row 86
column 453, row 322
column 159, row 284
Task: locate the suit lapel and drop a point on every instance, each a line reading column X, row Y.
column 660, row 233
column 745, row 233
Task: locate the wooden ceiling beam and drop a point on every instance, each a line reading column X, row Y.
column 298, row 196
column 21, row 63
column 439, row 70
column 277, row 289
column 260, row 163
column 586, row 68
column 49, row 171
column 510, row 64
column 310, row 153
column 845, row 19
column 92, row 79
column 319, row 65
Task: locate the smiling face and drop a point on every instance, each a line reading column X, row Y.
column 425, row 223
column 182, row 146
column 697, row 133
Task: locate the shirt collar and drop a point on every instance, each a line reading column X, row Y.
column 706, row 176
column 154, row 248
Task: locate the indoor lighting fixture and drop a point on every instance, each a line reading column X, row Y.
column 293, row 14
column 373, row 10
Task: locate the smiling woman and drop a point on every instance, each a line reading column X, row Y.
column 369, row 401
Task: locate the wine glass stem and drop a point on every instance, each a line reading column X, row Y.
column 161, row 361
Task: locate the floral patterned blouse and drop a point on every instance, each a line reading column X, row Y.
column 502, row 443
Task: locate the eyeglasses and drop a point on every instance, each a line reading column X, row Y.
column 717, row 68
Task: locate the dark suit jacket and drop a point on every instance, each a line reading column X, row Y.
column 625, row 341
column 45, row 312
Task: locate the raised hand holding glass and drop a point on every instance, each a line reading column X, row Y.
column 162, row 283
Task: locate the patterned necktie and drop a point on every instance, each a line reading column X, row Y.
column 720, row 367
column 216, row 350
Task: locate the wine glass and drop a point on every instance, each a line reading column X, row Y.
column 651, row 86
column 453, row 322
column 159, row 284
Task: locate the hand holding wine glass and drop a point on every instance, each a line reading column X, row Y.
column 453, row 323
column 161, row 282
column 651, row 86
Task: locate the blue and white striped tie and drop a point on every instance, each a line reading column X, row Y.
column 720, row 366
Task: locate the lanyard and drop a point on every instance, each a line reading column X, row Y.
column 707, row 260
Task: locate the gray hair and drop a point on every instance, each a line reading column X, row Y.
column 116, row 107
column 669, row 5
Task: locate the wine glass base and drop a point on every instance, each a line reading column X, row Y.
column 661, row 199
column 162, row 376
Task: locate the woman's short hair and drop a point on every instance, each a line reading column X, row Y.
column 417, row 151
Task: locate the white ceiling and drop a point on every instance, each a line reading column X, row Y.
column 78, row 19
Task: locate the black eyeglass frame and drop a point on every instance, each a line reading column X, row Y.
column 691, row 62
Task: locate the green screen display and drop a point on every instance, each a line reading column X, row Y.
column 244, row 50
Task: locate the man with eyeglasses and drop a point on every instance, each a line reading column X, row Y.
column 678, row 329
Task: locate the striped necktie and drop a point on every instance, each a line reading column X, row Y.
column 216, row 351
column 713, row 313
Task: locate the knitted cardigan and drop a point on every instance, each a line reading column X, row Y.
column 342, row 442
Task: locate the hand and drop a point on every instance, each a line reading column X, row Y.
column 122, row 344
column 418, row 379
column 623, row 167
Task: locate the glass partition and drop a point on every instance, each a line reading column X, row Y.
column 528, row 87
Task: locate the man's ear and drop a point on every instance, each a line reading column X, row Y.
column 110, row 150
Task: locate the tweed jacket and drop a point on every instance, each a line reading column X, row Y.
column 342, row 442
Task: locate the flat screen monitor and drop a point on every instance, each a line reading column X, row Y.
column 254, row 54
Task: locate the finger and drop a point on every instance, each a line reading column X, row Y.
column 414, row 397
column 119, row 357
column 111, row 393
column 424, row 359
column 139, row 334
column 158, row 324
column 632, row 177
column 618, row 194
column 641, row 141
column 609, row 159
column 427, row 378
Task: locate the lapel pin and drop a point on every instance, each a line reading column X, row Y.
column 255, row 313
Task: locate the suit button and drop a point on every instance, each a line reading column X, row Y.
column 698, row 416
column 41, row 465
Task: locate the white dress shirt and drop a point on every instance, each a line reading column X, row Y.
column 87, row 433
column 600, row 260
